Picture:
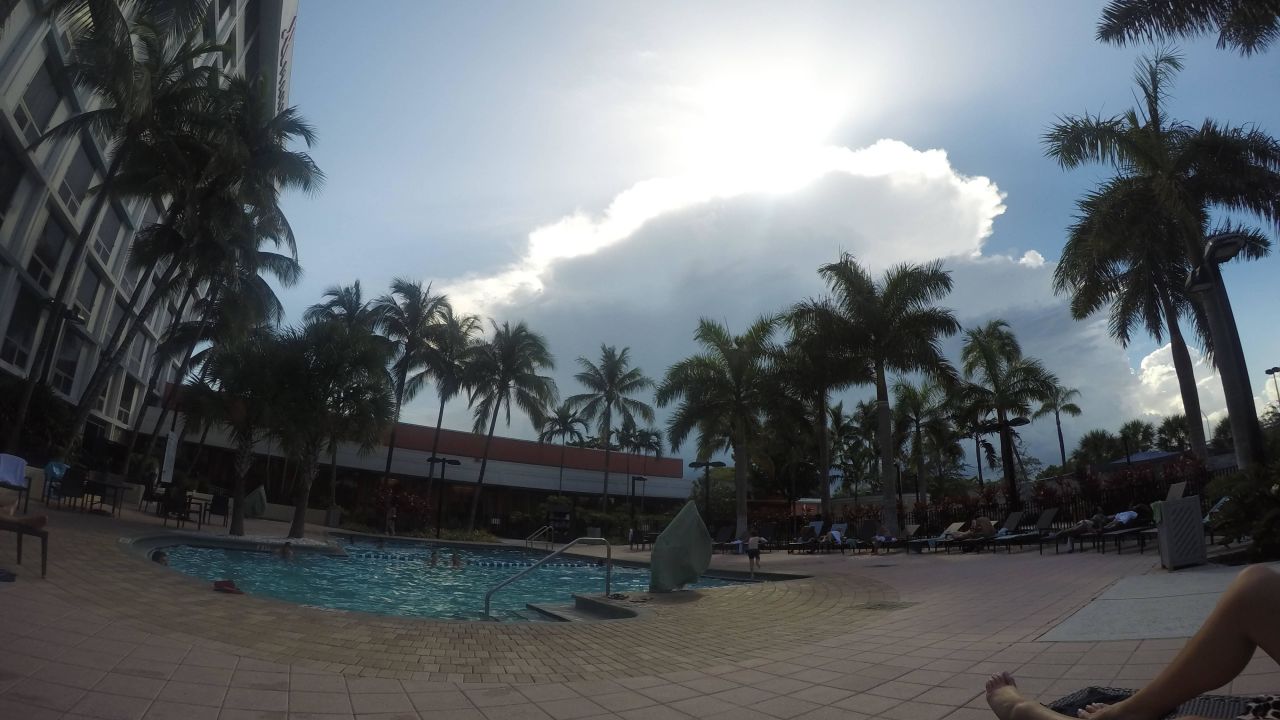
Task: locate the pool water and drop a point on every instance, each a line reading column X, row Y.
column 399, row 579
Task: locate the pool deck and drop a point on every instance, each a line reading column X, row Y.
column 110, row 635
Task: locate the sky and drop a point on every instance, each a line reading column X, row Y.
column 611, row 172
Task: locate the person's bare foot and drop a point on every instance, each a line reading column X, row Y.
column 1003, row 695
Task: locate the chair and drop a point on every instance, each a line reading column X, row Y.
column 221, row 505
column 1009, row 525
column 1044, row 524
column 932, row 542
column 839, row 529
column 721, row 539
column 808, row 540
column 175, row 506
column 901, row 542
column 13, row 476
column 71, row 487
column 863, row 536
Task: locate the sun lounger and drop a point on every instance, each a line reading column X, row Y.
column 919, row 543
column 808, row 540
column 1044, row 524
column 977, row 543
column 838, row 530
column 1218, row 707
column 722, row 539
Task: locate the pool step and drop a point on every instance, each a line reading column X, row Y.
column 561, row 613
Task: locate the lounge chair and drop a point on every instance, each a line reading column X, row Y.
column 919, row 543
column 71, row 487
column 1176, row 490
column 1044, row 525
column 1009, row 525
column 808, row 540
column 721, row 540
column 863, row 537
column 221, row 505
column 838, row 530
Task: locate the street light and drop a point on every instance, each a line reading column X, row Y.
column 706, row 486
column 635, row 479
column 1275, row 383
column 444, row 464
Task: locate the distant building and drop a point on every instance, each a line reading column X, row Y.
column 44, row 200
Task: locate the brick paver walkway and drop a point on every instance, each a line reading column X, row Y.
column 109, row 635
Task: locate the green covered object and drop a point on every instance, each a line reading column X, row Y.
column 255, row 503
column 681, row 553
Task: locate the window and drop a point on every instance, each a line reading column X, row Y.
column 127, row 397
column 38, row 105
column 64, row 368
column 87, row 293
column 108, row 231
column 224, row 6
column 137, row 353
column 47, row 256
column 75, row 184
column 101, row 404
column 11, row 172
column 21, row 333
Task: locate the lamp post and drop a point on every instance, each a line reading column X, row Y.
column 1228, row 353
column 1007, row 453
column 444, row 464
column 635, row 479
column 1275, row 383
column 706, row 486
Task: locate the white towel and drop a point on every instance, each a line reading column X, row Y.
column 13, row 471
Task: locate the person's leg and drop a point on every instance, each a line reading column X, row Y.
column 1241, row 622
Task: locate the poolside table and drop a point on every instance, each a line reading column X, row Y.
column 101, row 487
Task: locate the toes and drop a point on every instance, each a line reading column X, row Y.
column 1008, row 678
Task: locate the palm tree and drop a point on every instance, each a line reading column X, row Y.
column 720, row 394
column 505, row 370
column 1188, row 172
column 142, row 79
column 358, row 411
column 920, row 406
column 1248, row 26
column 1137, row 436
column 1096, row 447
column 611, row 385
column 895, row 327
column 1005, row 384
column 243, row 377
column 814, row 367
column 331, row 386
column 448, row 356
column 562, row 423
column 226, row 187
column 412, row 317
column 1173, row 434
column 1059, row 402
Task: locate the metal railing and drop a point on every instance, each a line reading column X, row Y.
column 608, row 573
column 546, row 533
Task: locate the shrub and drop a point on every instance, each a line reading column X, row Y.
column 1253, row 510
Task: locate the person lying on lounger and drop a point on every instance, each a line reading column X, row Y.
column 1243, row 621
column 981, row 527
column 1101, row 522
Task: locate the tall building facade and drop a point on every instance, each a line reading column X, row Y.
column 45, row 199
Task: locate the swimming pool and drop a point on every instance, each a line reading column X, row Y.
column 399, row 579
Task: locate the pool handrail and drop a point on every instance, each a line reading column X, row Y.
column 538, row 535
column 608, row 573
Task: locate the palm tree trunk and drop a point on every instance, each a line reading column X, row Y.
column 298, row 527
column 921, row 495
column 333, row 474
column 1185, row 370
column 435, row 445
column 884, row 437
column 395, row 422
column 1062, row 446
column 1007, row 462
column 824, row 454
column 977, row 456
column 740, row 463
column 243, row 461
column 204, row 435
column 47, row 337
column 125, row 331
column 604, row 492
column 484, row 463
column 1246, row 432
column 560, row 487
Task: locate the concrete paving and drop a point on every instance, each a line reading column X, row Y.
column 109, row 635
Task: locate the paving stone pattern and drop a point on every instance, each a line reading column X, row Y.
column 109, row 635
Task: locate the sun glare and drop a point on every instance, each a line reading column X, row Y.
column 761, row 131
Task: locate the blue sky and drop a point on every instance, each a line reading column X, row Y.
column 451, row 131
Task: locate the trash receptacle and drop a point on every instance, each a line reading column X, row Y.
column 1181, row 534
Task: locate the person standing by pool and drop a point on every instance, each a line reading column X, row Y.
column 391, row 516
column 753, row 550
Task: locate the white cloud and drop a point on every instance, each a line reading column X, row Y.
column 931, row 209
column 1032, row 259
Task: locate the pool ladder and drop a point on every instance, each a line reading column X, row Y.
column 608, row 572
column 546, row 534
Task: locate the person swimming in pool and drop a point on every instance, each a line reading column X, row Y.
column 286, row 551
column 456, row 562
column 435, row 558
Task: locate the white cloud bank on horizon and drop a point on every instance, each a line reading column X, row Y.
column 669, row 250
